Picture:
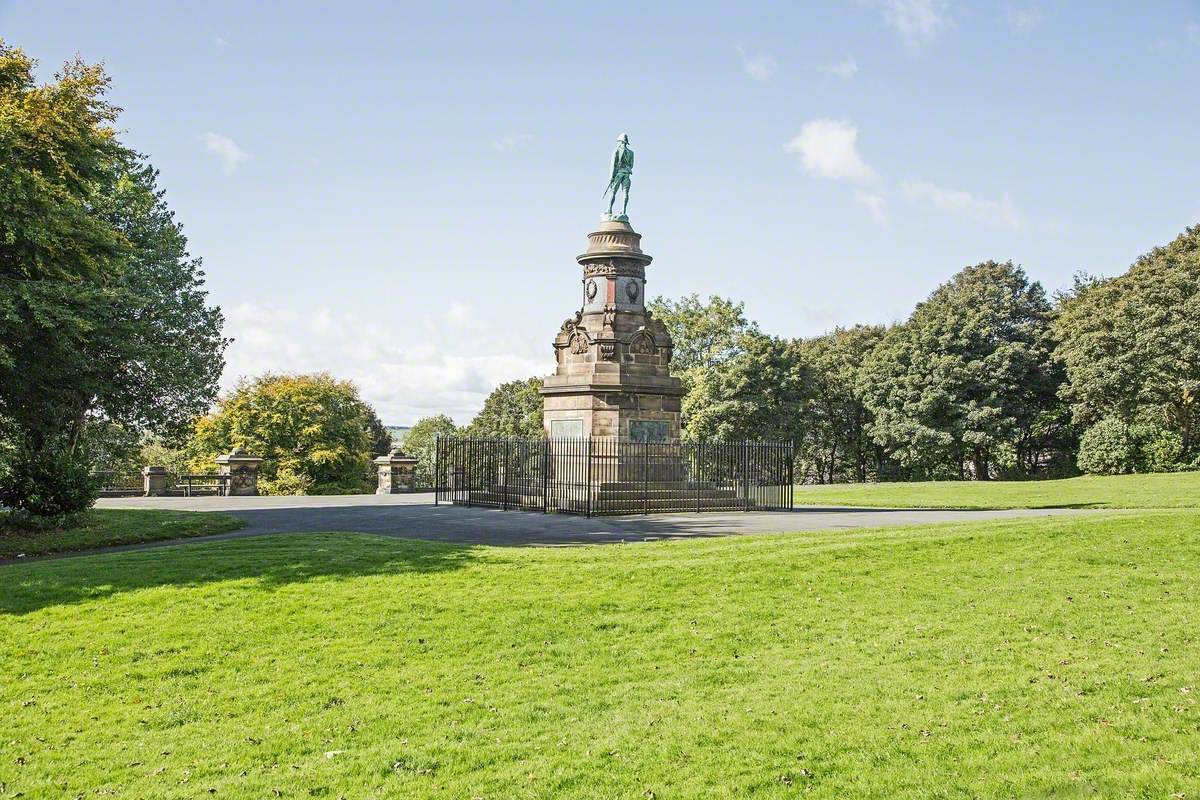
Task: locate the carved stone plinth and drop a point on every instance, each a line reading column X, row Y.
column 613, row 376
column 397, row 473
column 155, row 481
column 242, row 469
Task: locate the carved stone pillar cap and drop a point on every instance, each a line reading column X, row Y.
column 396, row 458
column 614, row 238
column 237, row 456
column 154, row 470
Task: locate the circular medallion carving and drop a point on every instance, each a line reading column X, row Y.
column 590, row 289
column 642, row 345
column 632, row 290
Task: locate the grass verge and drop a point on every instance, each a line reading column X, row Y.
column 107, row 527
column 1165, row 490
column 1049, row 657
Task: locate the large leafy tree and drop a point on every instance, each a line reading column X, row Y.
column 968, row 371
column 381, row 437
column 759, row 393
column 837, row 445
column 705, row 334
column 1131, row 344
column 421, row 443
column 313, row 431
column 512, row 409
column 103, row 319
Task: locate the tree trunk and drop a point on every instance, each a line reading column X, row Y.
column 1185, row 453
column 980, row 460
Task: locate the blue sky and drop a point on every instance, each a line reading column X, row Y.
column 396, row 192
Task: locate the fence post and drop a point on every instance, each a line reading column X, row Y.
column 507, row 444
column 588, row 473
column 645, row 477
column 437, row 471
column 745, row 476
column 545, row 445
column 696, row 472
column 791, row 467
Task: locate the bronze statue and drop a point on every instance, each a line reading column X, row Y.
column 622, row 169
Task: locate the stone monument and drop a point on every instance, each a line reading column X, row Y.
column 396, row 473
column 613, row 358
column 241, row 471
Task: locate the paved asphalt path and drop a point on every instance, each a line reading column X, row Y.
column 415, row 516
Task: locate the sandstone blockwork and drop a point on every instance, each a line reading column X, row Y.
column 613, row 358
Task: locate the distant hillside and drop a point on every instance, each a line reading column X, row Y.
column 398, row 432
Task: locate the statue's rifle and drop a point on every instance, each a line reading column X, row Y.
column 611, row 182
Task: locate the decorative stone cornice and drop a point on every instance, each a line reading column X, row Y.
column 614, row 240
column 615, row 267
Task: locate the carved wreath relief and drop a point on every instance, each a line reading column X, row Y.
column 590, row 290
column 642, row 344
column 579, row 343
column 632, row 291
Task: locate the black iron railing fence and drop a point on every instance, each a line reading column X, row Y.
column 117, row 483
column 614, row 476
column 126, row 483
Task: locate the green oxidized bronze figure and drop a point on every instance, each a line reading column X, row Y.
column 622, row 168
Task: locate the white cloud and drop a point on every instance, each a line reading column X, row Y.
column 828, row 149
column 918, row 22
column 514, row 141
column 436, row 374
column 998, row 213
column 220, row 41
column 874, row 202
column 458, row 311
column 1022, row 19
column 226, row 149
column 844, row 69
column 1193, row 32
column 760, row 67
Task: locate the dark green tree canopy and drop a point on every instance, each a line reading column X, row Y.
column 421, row 441
column 836, row 444
column 968, row 370
column 1131, row 344
column 102, row 314
column 756, row 394
column 512, row 409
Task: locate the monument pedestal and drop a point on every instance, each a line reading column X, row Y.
column 613, row 376
column 613, row 385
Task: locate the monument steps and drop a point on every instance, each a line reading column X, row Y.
column 629, row 500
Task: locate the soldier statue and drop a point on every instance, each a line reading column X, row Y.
column 622, row 168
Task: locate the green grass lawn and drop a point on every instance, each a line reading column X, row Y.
column 111, row 526
column 1166, row 490
column 1054, row 657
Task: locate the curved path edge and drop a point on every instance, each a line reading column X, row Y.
column 416, row 517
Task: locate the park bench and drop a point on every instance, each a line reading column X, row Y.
column 203, row 484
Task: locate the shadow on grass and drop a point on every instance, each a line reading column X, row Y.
column 272, row 561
